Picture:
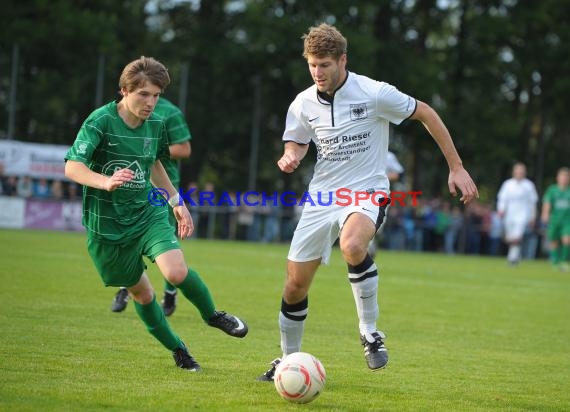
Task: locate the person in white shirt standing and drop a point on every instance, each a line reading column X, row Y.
column 347, row 116
column 516, row 203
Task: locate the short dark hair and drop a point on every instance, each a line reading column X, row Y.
column 142, row 70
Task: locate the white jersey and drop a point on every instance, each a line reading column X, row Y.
column 517, row 199
column 350, row 131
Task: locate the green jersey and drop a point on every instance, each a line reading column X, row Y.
column 105, row 144
column 559, row 200
column 177, row 131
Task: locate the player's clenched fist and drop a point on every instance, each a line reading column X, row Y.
column 118, row 178
column 288, row 163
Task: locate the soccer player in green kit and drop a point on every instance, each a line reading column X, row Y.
column 179, row 148
column 556, row 214
column 116, row 156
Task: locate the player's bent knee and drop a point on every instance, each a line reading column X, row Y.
column 176, row 276
column 353, row 251
column 143, row 297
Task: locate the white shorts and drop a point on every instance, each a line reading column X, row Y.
column 515, row 228
column 320, row 226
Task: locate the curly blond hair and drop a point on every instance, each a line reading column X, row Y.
column 324, row 40
column 139, row 71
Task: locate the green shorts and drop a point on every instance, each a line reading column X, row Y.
column 122, row 264
column 172, row 220
column 557, row 229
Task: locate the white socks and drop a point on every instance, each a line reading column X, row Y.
column 291, row 324
column 514, row 253
column 364, row 282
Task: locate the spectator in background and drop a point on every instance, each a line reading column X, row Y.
column 2, row 179
column 409, row 224
column 495, row 233
column 428, row 223
column 516, row 204
column 473, row 225
column 453, row 230
column 194, row 205
column 10, row 186
column 229, row 217
column 206, row 216
column 418, row 216
column 394, row 233
column 73, row 191
column 24, row 187
column 443, row 220
column 271, row 228
column 556, row 215
column 41, row 188
column 245, row 217
column 256, row 210
column 57, row 190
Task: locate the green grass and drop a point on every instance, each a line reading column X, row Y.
column 464, row 333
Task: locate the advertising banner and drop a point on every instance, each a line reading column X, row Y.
column 33, row 159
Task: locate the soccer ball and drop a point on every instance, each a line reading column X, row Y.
column 299, row 378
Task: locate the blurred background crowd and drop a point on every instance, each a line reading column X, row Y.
column 432, row 225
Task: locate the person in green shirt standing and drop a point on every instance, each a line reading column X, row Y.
column 178, row 148
column 116, row 157
column 556, row 215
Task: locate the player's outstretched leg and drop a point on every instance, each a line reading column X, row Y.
column 169, row 298
column 120, row 300
column 364, row 282
column 196, row 291
column 157, row 325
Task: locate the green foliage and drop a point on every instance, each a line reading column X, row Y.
column 464, row 333
column 496, row 71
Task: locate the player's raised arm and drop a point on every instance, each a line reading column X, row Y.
column 292, row 156
column 458, row 176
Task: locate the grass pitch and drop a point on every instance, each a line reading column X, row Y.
column 464, row 334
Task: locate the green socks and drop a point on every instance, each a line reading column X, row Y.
column 565, row 253
column 169, row 287
column 555, row 255
column 153, row 317
column 196, row 291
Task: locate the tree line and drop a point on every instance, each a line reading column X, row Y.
column 496, row 71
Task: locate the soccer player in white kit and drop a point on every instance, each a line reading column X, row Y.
column 516, row 203
column 347, row 117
